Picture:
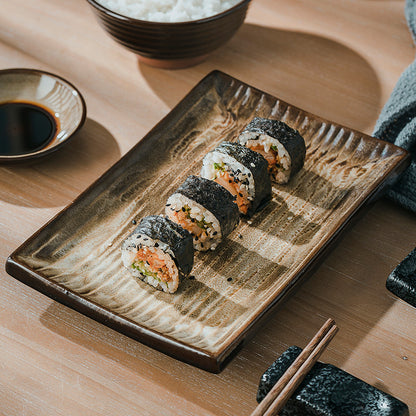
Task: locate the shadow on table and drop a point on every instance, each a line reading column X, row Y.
column 58, row 178
column 315, row 73
column 159, row 369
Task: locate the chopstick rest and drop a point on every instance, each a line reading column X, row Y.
column 329, row 391
column 402, row 280
column 284, row 388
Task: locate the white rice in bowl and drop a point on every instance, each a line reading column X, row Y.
column 168, row 11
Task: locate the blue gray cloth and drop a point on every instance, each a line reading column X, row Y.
column 397, row 122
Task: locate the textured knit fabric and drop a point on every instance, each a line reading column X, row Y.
column 397, row 122
column 402, row 280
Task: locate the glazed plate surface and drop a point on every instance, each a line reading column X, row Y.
column 75, row 258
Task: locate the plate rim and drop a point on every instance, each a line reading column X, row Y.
column 212, row 362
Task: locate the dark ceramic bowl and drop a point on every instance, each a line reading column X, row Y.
column 172, row 45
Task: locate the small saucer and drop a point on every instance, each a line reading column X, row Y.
column 50, row 92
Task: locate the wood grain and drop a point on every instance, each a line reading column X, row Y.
column 57, row 362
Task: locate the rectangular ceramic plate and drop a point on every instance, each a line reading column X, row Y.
column 75, row 258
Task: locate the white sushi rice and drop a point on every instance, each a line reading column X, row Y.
column 128, row 256
column 211, row 237
column 240, row 172
column 168, row 11
column 282, row 175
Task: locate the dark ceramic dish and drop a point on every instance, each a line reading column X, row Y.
column 172, row 45
column 76, row 258
column 50, row 92
column 402, row 280
column 329, row 391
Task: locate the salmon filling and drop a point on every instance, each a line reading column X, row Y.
column 196, row 227
column 272, row 156
column 193, row 217
column 150, row 264
column 229, row 182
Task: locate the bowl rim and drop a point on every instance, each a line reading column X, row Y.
column 133, row 20
column 46, row 150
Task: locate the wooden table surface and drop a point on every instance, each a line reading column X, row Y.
column 339, row 59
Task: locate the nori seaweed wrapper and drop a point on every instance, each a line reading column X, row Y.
column 179, row 240
column 214, row 198
column 290, row 138
column 329, row 391
column 257, row 165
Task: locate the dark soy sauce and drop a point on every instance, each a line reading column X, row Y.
column 25, row 128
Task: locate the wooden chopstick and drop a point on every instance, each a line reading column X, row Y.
column 294, row 375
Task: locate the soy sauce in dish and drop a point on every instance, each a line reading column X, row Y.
column 25, row 127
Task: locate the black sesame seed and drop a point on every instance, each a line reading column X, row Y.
column 156, row 244
column 215, row 233
column 134, row 222
column 192, row 219
column 196, row 238
column 168, row 205
column 229, row 279
column 240, row 236
column 230, row 181
column 249, row 174
column 183, row 209
column 240, row 194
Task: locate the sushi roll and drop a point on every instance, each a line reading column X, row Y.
column 282, row 147
column 241, row 171
column 159, row 252
column 204, row 208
